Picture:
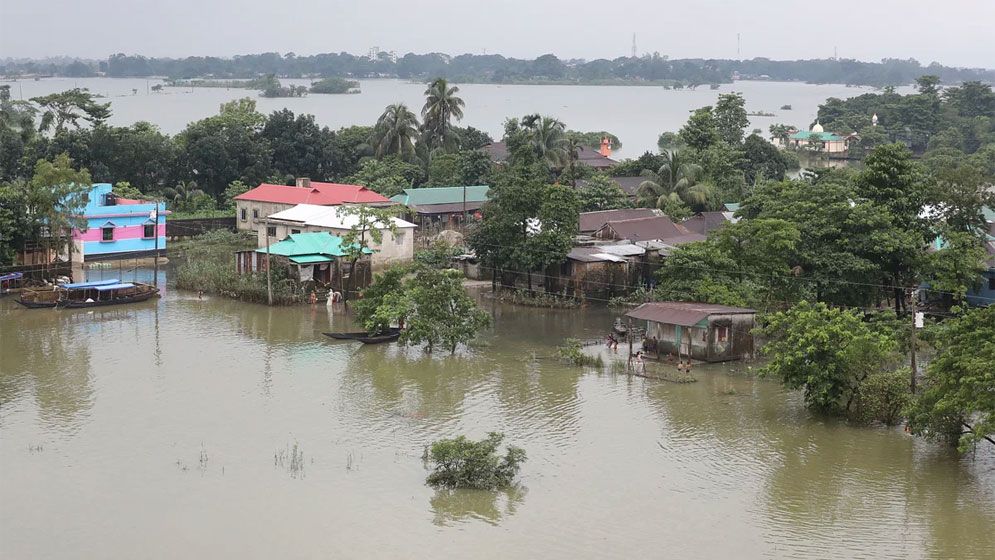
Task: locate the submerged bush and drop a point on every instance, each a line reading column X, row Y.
column 463, row 463
column 883, row 396
column 572, row 352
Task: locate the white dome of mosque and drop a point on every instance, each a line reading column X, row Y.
column 817, row 127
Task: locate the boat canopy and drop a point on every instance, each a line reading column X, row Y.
column 110, row 287
column 94, row 284
column 11, row 276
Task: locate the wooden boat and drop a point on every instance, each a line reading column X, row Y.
column 356, row 335
column 40, row 298
column 380, row 338
column 11, row 283
column 107, row 294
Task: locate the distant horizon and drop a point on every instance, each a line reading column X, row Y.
column 400, row 54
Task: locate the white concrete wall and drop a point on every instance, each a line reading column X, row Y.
column 391, row 249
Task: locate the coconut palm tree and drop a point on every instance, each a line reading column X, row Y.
column 183, row 197
column 441, row 106
column 395, row 131
column 548, row 137
column 677, row 180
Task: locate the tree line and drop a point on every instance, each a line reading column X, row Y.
column 500, row 69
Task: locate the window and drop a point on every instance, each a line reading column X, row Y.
column 991, row 282
column 107, row 233
column 255, row 213
column 148, row 230
column 295, row 231
column 721, row 334
column 399, row 239
column 245, row 214
column 271, row 231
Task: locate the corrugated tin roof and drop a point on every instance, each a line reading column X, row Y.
column 331, row 217
column 705, row 222
column 592, row 254
column 301, row 244
column 683, row 313
column 645, row 229
column 441, row 195
column 622, row 249
column 324, row 194
column 453, row 208
column 592, row 221
column 309, row 259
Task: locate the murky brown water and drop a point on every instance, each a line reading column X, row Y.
column 165, row 430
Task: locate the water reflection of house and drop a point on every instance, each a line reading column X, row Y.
column 314, row 256
column 703, row 331
column 396, row 246
column 442, row 207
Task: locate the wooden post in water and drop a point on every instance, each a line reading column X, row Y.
column 628, row 334
column 915, row 326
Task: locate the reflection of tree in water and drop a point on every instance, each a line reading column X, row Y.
column 409, row 382
column 454, row 506
column 48, row 352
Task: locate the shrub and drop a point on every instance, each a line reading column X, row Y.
column 572, row 352
column 463, row 463
column 882, row 398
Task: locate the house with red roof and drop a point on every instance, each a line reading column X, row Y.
column 252, row 207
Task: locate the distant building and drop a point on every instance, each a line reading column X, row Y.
column 703, row 331
column 253, row 206
column 640, row 230
column 595, row 159
column 119, row 228
column 831, row 143
column 706, row 222
column 309, row 218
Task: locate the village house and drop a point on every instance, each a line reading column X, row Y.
column 442, row 207
column 317, row 257
column 704, row 223
column 308, row 218
column 984, row 293
column 590, row 222
column 703, row 331
column 599, row 160
column 639, row 230
column 119, row 228
column 253, row 206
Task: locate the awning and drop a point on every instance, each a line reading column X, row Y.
column 93, row 284
column 110, row 287
column 11, row 276
column 310, row 259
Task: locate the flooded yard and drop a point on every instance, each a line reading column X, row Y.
column 210, row 428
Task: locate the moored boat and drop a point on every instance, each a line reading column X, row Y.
column 40, row 298
column 380, row 338
column 11, row 283
column 356, row 335
column 107, row 294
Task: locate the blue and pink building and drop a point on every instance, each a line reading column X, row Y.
column 119, row 228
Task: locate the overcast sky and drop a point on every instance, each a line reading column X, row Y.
column 952, row 32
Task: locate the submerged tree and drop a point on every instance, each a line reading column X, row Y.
column 463, row 463
column 369, row 225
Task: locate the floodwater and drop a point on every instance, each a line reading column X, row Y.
column 636, row 114
column 215, row 429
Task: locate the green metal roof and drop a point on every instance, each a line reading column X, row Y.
column 731, row 206
column 989, row 213
column 300, row 245
column 441, row 195
column 808, row 135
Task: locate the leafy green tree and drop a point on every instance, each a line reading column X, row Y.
column 464, row 463
column 226, row 147
column 957, row 400
column 17, row 133
column 124, row 190
column 395, row 132
column 702, row 272
column 233, row 189
column 928, row 84
column 187, row 197
column 463, row 168
column 669, row 142
column 382, row 303
column 67, row 108
column 701, row 130
column 781, row 132
column 442, row 105
column 547, row 136
column 442, row 313
column 300, row 147
column 971, row 99
column 388, row 176
column 676, row 181
column 828, row 352
column 601, row 193
column 593, row 139
column 730, row 117
column 53, row 201
column 957, row 268
column 368, row 229
column 762, row 161
column 883, row 397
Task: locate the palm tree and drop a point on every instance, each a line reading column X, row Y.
column 572, row 149
column 441, row 105
column 675, row 181
column 395, row 131
column 183, row 197
column 548, row 137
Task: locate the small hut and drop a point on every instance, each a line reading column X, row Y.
column 703, row 331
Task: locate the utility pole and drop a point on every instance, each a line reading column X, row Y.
column 915, row 326
column 628, row 334
column 155, row 257
column 464, row 207
column 269, row 278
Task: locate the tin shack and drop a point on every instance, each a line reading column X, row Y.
column 703, row 331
